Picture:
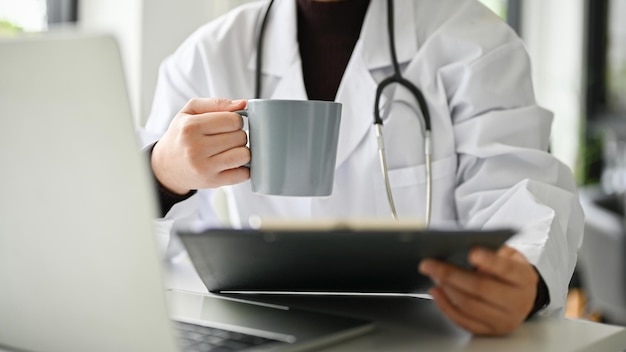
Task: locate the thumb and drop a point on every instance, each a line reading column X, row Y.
column 203, row 105
column 510, row 252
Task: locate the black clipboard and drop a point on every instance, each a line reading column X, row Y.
column 338, row 259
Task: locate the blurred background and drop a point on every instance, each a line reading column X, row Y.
column 578, row 51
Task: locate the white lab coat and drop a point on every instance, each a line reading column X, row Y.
column 490, row 165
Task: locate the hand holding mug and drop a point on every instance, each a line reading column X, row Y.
column 292, row 149
column 204, row 147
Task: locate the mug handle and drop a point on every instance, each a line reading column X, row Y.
column 245, row 127
column 243, row 113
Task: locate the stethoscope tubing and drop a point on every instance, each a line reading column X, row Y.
column 397, row 78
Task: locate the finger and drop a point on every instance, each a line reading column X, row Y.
column 233, row 176
column 208, row 146
column 510, row 252
column 212, row 123
column 475, row 284
column 507, row 252
column 476, row 309
column 503, row 268
column 231, row 159
column 453, row 313
column 203, row 105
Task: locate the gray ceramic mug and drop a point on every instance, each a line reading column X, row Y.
column 293, row 146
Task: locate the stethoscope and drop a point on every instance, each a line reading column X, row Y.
column 396, row 78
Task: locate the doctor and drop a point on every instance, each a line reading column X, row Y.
column 490, row 139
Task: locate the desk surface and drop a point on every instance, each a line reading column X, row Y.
column 404, row 323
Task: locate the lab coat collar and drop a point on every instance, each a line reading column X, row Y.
column 280, row 41
column 376, row 39
column 281, row 36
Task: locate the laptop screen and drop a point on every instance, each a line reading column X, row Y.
column 79, row 268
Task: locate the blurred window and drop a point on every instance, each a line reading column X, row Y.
column 616, row 57
column 23, row 15
column 35, row 15
column 510, row 10
column 606, row 61
column 605, row 92
column 497, row 6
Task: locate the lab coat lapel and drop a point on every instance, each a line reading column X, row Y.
column 357, row 91
column 376, row 38
column 281, row 56
column 291, row 84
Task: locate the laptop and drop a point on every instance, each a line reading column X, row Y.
column 79, row 267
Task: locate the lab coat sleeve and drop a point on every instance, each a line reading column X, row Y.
column 197, row 69
column 172, row 92
column 506, row 177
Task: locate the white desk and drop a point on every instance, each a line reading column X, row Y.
column 407, row 324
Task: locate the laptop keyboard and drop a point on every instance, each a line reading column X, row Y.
column 197, row 338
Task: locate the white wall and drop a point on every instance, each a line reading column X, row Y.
column 148, row 31
column 166, row 23
column 554, row 31
column 123, row 18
